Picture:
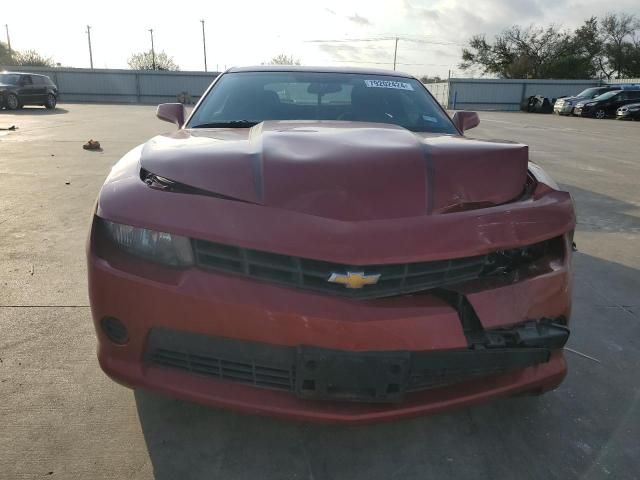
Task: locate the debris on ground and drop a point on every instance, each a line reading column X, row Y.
column 12, row 127
column 92, row 145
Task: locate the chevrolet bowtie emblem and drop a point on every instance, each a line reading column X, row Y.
column 354, row 279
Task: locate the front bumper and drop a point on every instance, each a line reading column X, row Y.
column 563, row 108
column 219, row 306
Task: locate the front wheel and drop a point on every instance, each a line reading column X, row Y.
column 50, row 104
column 600, row 114
column 11, row 101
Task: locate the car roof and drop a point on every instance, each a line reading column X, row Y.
column 24, row 73
column 298, row 68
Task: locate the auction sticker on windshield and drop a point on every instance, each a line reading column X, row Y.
column 388, row 84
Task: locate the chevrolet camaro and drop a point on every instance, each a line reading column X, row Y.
column 327, row 245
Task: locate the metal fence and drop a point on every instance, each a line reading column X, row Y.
column 502, row 94
column 125, row 86
column 145, row 86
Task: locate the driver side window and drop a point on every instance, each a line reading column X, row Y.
column 26, row 80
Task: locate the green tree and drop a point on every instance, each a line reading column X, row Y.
column 283, row 59
column 31, row 58
column 145, row 61
column 620, row 50
column 6, row 55
column 608, row 47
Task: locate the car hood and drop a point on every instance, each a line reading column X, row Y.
column 341, row 170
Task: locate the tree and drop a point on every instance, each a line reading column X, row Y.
column 620, row 47
column 31, row 58
column 283, row 59
column 608, row 46
column 518, row 52
column 6, row 55
column 428, row 79
column 145, row 61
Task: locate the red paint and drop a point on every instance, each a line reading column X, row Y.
column 338, row 191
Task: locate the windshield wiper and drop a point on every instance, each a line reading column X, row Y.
column 229, row 124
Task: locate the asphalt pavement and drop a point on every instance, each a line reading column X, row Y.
column 61, row 417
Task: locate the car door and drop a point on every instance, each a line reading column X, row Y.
column 25, row 89
column 632, row 96
column 39, row 89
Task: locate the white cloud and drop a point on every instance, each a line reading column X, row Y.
column 249, row 32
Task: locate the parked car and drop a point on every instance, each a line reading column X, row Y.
column 326, row 244
column 629, row 112
column 606, row 104
column 565, row 105
column 20, row 89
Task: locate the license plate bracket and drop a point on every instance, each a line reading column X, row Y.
column 325, row 374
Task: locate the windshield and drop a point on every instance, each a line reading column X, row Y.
column 9, row 78
column 245, row 98
column 607, row 95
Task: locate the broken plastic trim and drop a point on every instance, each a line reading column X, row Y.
column 167, row 185
column 543, row 333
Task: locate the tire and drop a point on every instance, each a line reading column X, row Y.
column 600, row 114
column 11, row 101
column 51, row 102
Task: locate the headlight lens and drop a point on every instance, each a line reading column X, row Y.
column 161, row 247
column 590, row 104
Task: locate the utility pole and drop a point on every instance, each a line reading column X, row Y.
column 90, row 52
column 204, row 46
column 153, row 51
column 395, row 54
column 6, row 27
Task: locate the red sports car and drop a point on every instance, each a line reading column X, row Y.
column 325, row 244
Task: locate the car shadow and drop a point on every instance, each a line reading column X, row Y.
column 602, row 213
column 35, row 110
column 581, row 430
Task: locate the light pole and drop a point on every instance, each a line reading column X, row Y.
column 6, row 27
column 90, row 52
column 153, row 52
column 204, row 46
column 395, row 54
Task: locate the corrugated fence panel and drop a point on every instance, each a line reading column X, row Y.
column 503, row 94
column 126, row 86
column 144, row 86
column 163, row 88
column 440, row 91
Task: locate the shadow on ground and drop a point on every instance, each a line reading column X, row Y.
column 588, row 428
column 35, row 110
column 597, row 212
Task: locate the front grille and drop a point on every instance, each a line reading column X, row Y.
column 395, row 279
column 274, row 367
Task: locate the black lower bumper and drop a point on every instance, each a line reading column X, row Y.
column 324, row 374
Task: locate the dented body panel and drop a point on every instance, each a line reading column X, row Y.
column 358, row 196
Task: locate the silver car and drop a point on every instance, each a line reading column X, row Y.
column 565, row 106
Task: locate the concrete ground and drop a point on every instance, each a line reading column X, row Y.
column 60, row 417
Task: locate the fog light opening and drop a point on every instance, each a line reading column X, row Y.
column 115, row 330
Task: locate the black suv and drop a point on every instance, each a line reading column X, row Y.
column 19, row 89
column 606, row 104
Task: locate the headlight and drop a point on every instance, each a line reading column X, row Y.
column 160, row 247
column 591, row 104
column 542, row 176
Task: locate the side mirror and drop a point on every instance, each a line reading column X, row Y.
column 466, row 120
column 171, row 112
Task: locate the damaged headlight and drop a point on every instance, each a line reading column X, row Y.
column 161, row 247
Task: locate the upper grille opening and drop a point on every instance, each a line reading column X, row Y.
column 395, row 279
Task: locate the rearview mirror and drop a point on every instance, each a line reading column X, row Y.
column 171, row 112
column 466, row 120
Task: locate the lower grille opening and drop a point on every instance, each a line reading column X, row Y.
column 274, row 367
